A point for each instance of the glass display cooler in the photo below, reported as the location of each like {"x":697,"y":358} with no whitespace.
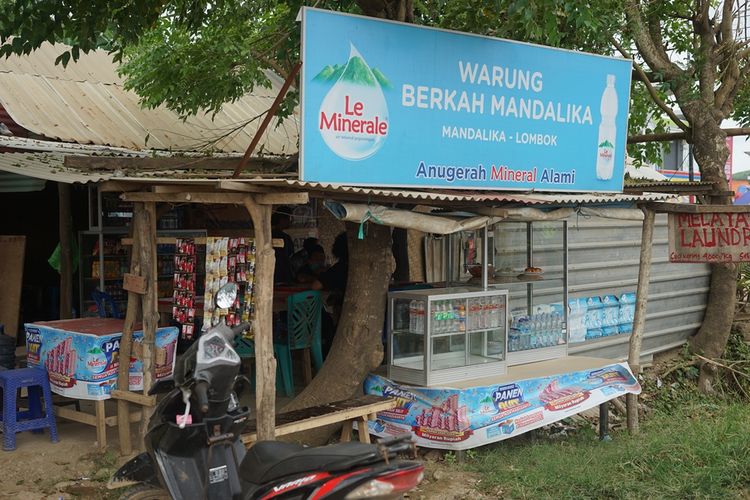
{"x":528,"y":260}
{"x":441,"y":336}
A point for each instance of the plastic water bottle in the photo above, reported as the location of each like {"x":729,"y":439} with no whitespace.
{"x":605,"y":159}
{"x":434,"y":314}
{"x":419,"y":323}
{"x":438,"y":325}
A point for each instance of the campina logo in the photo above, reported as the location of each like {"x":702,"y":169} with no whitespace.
{"x":353,"y":117}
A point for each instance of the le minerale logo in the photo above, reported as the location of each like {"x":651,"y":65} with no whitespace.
{"x":353,"y":118}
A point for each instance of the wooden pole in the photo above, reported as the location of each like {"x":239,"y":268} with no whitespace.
{"x":126,"y":342}
{"x":66,"y":257}
{"x":267,"y":120}
{"x":265,"y":259}
{"x":639,"y":320}
{"x":149,"y":303}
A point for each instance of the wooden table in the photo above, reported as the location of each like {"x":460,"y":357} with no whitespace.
{"x":359,"y":409}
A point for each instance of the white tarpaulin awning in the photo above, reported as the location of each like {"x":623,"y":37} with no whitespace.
{"x":440,"y":224}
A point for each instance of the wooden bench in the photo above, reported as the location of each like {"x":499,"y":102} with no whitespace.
{"x":360,"y":409}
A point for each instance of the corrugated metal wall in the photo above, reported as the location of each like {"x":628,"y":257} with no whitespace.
{"x":603,"y":259}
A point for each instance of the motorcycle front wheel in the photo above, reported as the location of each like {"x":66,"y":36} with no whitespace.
{"x":145,"y":492}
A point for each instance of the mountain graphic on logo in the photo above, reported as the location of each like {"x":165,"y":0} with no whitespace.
{"x":355,"y":71}
{"x":606,"y":144}
{"x":486,"y":399}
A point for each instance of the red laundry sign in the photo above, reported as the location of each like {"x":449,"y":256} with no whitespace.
{"x":709,"y":237}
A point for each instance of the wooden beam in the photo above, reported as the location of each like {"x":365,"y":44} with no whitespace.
{"x":267,"y":120}
{"x":166,"y":240}
{"x":296,"y":421}
{"x":161,"y":163}
{"x":186,"y":197}
{"x":265,"y":362}
{"x":119,"y":186}
{"x":245,"y":187}
{"x":639,"y":320}
{"x":134,"y":397}
{"x":218,"y":198}
{"x":695,"y":209}
{"x":75,"y":416}
{"x":175,"y":188}
{"x":282,"y":199}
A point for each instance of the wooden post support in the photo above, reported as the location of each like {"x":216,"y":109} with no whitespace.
{"x":269,"y":115}
{"x":101,"y":425}
{"x":265,"y":372}
{"x":66,"y":257}
{"x":126,"y":342}
{"x":149,"y":303}
{"x":639,"y":320}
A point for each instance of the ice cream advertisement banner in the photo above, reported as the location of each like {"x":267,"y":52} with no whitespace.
{"x":466,"y":418}
{"x":85,"y":366}
{"x":393,"y":104}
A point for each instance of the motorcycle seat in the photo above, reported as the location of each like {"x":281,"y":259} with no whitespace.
{"x":270,"y":460}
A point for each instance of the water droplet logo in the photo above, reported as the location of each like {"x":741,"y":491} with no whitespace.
{"x":353,"y":118}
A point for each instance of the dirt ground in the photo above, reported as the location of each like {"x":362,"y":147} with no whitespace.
{"x":71,"y":468}
{"x":74,"y":468}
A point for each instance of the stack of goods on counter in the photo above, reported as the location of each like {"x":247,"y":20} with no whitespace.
{"x":229,"y":260}
{"x":542,"y":328}
{"x":183,"y":309}
{"x":596,"y":317}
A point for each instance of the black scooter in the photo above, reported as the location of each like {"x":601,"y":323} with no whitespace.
{"x":194,"y":448}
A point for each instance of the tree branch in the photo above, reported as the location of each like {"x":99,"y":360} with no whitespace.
{"x":725,"y":27}
{"x":731,"y":81}
{"x":651,"y":90}
{"x":656,"y":58}
{"x":675,"y":136}
{"x":706,"y":63}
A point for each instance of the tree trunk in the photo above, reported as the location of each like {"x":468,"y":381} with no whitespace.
{"x":711,"y":152}
{"x":357,"y":348}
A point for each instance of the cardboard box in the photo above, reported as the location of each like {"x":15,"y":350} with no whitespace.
{"x":81,"y":356}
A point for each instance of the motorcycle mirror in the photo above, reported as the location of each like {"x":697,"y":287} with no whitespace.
{"x":226,"y":295}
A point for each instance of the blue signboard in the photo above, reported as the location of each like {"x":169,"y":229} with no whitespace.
{"x":393,"y":104}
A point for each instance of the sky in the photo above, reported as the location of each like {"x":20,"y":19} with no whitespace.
{"x":740,"y":161}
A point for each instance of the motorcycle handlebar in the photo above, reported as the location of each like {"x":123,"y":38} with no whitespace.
{"x":201,"y":395}
{"x":241,"y":327}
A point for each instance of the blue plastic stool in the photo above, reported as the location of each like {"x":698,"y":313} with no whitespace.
{"x":34,"y":419}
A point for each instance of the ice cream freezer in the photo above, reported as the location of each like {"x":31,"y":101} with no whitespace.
{"x":81,"y":356}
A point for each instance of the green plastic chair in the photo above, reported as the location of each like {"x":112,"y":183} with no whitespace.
{"x":245,"y":348}
{"x":303,"y":332}
{"x":304,"y":311}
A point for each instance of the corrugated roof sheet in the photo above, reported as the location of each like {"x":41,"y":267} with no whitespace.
{"x":49,"y":166}
{"x":86,"y":103}
{"x":470,"y":196}
{"x":46,"y":166}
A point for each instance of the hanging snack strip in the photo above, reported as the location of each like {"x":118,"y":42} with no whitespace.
{"x":229,"y":260}
{"x":183,"y":308}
